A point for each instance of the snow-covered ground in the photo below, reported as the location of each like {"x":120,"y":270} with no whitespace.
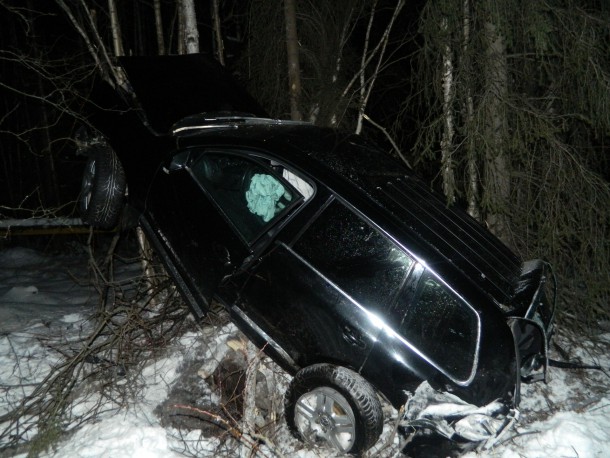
{"x":44,"y":304}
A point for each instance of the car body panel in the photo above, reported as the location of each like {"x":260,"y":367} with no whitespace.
{"x":201,"y":242}
{"x":337,"y":276}
{"x":495,"y":374}
{"x":441,"y":235}
{"x":307,"y":315}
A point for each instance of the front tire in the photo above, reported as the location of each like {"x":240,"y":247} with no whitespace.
{"x":335,"y":406}
{"x":103,"y":188}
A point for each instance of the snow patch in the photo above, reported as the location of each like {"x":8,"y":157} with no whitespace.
{"x":22,"y":294}
{"x":72,"y":318}
{"x":20,"y":257}
{"x":116,"y":436}
{"x":39,"y":299}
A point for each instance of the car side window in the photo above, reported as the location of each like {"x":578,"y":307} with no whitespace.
{"x":442,"y":326}
{"x":355,"y":256}
{"x":251,"y":195}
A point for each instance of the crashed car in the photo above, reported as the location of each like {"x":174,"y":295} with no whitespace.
{"x":345,"y":267}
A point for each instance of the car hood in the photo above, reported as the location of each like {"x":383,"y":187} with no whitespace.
{"x":169,"y":88}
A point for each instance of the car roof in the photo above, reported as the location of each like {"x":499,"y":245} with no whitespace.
{"x":383,"y":190}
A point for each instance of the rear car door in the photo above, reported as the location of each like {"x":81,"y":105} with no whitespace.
{"x":209,"y":209}
{"x":321,"y":298}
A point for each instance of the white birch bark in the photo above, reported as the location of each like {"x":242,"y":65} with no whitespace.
{"x":338,"y":64}
{"x":190,"y":31}
{"x":472,"y":191}
{"x":253,"y":359}
{"x":379,"y":51}
{"x":115,"y":28}
{"x":95,"y":45}
{"x":365,"y":50}
{"x":447,"y":166}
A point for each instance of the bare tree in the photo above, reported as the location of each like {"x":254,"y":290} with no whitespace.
{"x":367,"y":81}
{"x":338,"y":69}
{"x":94,"y":42}
{"x":159,"y":27}
{"x":292,"y":52}
{"x":218,"y":41}
{"x":529,"y":113}
{"x":448,"y":170}
{"x":498,"y":173}
{"x":190,"y":30}
{"x":39,"y":100}
{"x":115,"y":27}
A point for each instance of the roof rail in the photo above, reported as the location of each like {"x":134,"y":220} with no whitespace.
{"x":204,"y":121}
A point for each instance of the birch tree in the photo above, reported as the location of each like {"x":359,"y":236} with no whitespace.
{"x":448,"y":129}
{"x":514,"y":98}
{"x":472,"y":170}
{"x":117,"y":41}
{"x":190,"y":32}
{"x":375,"y":57}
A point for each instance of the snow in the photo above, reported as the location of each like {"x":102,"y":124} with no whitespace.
{"x":45,"y":301}
{"x":570,"y":434}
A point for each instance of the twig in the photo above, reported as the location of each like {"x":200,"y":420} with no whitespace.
{"x":385,"y":132}
{"x":218,"y":420}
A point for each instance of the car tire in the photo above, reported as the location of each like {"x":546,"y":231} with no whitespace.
{"x":334,"y":406}
{"x":103,"y":188}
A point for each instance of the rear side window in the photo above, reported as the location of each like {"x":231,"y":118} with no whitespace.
{"x":443,"y":327}
{"x":355,"y":256}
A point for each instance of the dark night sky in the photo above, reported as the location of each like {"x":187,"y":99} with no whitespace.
{"x":48,"y":36}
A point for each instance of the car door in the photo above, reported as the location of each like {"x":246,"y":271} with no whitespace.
{"x":321,"y":298}
{"x":209,"y":209}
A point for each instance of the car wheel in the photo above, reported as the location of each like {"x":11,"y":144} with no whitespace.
{"x":103,"y":189}
{"x":335,"y":406}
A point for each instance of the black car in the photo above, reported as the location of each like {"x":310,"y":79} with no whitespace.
{"x":350,"y":272}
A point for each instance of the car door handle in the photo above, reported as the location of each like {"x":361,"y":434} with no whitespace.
{"x":353,"y":337}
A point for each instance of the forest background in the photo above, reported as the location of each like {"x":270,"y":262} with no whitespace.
{"x":502,"y":106}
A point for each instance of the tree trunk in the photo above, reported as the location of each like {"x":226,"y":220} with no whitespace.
{"x":472,"y":169}
{"x":219,"y":48}
{"x":363,"y":65}
{"x":292,"y":50}
{"x":116,"y":28}
{"x":367,"y":84}
{"x":337,"y":70}
{"x":191,"y":33}
{"x":159,"y":28}
{"x":380,"y":48}
{"x":497,"y":172}
{"x":447,"y":165}
{"x":253,"y":360}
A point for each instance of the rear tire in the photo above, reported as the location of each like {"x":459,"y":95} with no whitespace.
{"x":103,"y":188}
